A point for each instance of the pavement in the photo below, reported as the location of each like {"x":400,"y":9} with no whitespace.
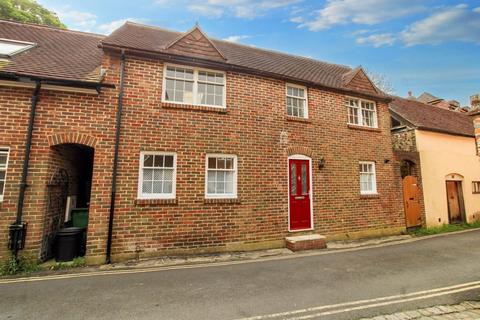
{"x":346,"y":283}
{"x":468,"y":310}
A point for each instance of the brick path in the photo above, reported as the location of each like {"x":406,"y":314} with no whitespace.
{"x":468,"y":310}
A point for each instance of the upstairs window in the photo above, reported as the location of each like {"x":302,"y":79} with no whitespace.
{"x":362,"y":113}
{"x":3,"y":170}
{"x":368,"y":180}
{"x":194,"y":86}
{"x":297,"y":101}
{"x":9,"y":48}
{"x":157,"y":175}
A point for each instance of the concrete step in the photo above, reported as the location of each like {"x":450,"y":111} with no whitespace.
{"x":306,"y":242}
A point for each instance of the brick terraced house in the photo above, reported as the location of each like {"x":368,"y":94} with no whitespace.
{"x":178,"y":143}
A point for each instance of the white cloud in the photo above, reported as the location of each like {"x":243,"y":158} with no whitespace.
{"x":457,"y":23}
{"x":378,"y":40}
{"x":78,"y":20}
{"x":88,"y":22}
{"x":477,"y":10}
{"x":297,"y":19}
{"x":240,"y":8}
{"x":109,"y":27}
{"x":236,"y":38}
{"x":366,"y":12}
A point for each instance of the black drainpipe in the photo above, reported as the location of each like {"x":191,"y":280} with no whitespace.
{"x":18,"y":228}
{"x":115,"y":157}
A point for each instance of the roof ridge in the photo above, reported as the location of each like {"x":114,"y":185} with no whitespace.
{"x":243,"y":45}
{"x":428,"y":106}
{"x":42,"y":26}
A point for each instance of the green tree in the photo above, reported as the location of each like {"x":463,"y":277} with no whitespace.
{"x":28,"y":11}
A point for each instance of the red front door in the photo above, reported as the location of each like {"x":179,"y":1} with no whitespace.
{"x":299,"y":194}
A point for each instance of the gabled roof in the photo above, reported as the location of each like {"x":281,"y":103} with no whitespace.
{"x":357,"y":79}
{"x":57,"y":54}
{"x":195,"y":43}
{"x":155,"y":40}
{"x":430,"y":118}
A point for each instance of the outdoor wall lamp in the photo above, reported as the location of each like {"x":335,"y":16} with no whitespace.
{"x":321,"y":163}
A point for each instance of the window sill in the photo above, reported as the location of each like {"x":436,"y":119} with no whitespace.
{"x":369,"y":196}
{"x":168,"y":105}
{"x":356,"y":127}
{"x":153,"y":202}
{"x":298,"y":119}
{"x":221,"y":200}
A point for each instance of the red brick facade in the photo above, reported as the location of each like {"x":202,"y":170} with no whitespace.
{"x":254,"y":127}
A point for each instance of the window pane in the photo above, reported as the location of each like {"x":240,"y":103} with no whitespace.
{"x":170,"y":72}
{"x":169,"y":161}
{"x":210,"y":100}
{"x":212,"y":176}
{"x":212,"y":163}
{"x":229,"y":176}
{"x":202,"y":76}
{"x":304,"y":178}
{"x":211,"y":187}
{"x":147,"y":187}
{"x":158,"y":175}
{"x":219,"y":78}
{"x":211,"y":77}
{"x":229,"y":187}
{"x":167,"y":187}
{"x":2,"y":185}
{"x":220,"y":175}
{"x":158,"y":161}
{"x":147,"y":174}
{"x":293,"y":177}
{"x":220,"y":187}
{"x":157,"y":187}
{"x":229,"y":163}
{"x":221,"y":163}
{"x":168,"y":174}
{"x":2,"y":175}
{"x":147,"y":160}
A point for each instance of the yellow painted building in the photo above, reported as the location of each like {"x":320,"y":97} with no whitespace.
{"x":441,"y":145}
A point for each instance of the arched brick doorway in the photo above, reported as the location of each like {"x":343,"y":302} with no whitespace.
{"x":69,"y":186}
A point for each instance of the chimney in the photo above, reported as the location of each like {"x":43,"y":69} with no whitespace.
{"x":475,"y":101}
{"x":410,"y":96}
{"x":475,"y":114}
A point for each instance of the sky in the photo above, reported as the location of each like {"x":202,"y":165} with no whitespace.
{"x":417,"y":45}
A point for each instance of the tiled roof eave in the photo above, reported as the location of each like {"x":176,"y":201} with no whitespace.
{"x":233,"y":67}
{"x":425,"y":128}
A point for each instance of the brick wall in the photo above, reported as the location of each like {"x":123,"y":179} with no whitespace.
{"x":254,"y":127}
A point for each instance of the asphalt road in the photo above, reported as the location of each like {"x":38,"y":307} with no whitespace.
{"x":357,"y":283}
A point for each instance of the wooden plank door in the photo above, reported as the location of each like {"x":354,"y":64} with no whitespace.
{"x":411,"y":202}
{"x":454,"y":205}
{"x":299,"y":194}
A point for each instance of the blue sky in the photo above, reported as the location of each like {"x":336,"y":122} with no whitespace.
{"x":418,"y":45}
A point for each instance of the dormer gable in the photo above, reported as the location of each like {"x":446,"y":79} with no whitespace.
{"x":357,"y":80}
{"x":195,"y":43}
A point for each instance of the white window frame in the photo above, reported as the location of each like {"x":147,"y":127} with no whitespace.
{"x":146,"y":196}
{"x":305,"y":89}
{"x":235,"y":165}
{"x":4,"y":150}
{"x":374,"y":185}
{"x":360,"y":114}
{"x":195,"y":86}
{"x":27,"y":46}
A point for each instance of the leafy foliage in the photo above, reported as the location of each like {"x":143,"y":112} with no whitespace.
{"x":22,"y":265}
{"x":28,"y":11}
{"x":445,"y":228}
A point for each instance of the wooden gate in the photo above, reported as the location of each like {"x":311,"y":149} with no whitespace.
{"x":411,"y":202}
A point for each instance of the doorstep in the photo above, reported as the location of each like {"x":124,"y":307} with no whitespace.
{"x":306,"y":242}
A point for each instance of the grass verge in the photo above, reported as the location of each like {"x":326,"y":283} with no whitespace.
{"x":444,"y":229}
{"x":26,"y":266}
